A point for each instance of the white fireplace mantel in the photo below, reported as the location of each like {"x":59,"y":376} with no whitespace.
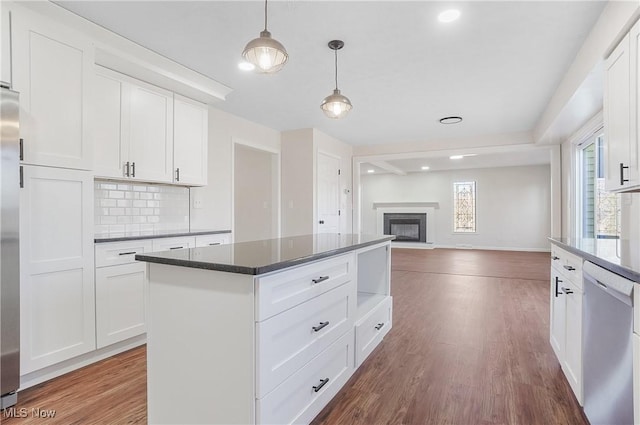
{"x":378,"y":205}
{"x":428,"y":208}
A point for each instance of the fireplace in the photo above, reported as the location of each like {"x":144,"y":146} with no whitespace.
{"x":407,"y":227}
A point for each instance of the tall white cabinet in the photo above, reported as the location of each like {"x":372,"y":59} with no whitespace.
{"x":52,"y":69}
{"x":56,"y":251}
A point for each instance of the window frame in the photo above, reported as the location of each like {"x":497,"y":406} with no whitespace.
{"x":475,"y":207}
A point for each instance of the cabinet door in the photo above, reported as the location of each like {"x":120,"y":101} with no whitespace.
{"x":52,"y":70}
{"x":572,"y":365}
{"x":110,"y":150}
{"x":56,"y":266}
{"x":190,"y":140}
{"x":121,"y":298}
{"x":149,"y":132}
{"x":557,"y":319}
{"x":620,"y":150}
{"x":634,"y":165}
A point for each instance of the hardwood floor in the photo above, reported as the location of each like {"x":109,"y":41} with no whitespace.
{"x":469,"y":345}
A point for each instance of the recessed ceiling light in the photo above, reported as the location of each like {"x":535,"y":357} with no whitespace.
{"x":449,"y":15}
{"x":371,"y":171}
{"x":246,"y":66}
{"x":450,"y":120}
{"x":462,"y":156}
{"x":425,"y":167}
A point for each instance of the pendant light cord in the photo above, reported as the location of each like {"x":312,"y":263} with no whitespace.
{"x":265,"y":15}
{"x":336,"y":55}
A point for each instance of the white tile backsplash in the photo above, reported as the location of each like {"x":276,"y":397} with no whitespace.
{"x":140,"y":207}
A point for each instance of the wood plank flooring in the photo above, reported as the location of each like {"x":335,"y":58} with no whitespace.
{"x":469,"y":345}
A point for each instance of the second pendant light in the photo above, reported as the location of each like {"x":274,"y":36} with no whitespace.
{"x":336,"y":105}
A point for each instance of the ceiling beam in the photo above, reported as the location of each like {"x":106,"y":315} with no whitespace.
{"x":388,"y":167}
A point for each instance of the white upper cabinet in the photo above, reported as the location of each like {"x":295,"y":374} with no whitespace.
{"x":51,"y":68}
{"x":106,"y":121}
{"x":190,"y":138}
{"x":621,"y":75}
{"x":133,"y":126}
{"x":149,"y":129}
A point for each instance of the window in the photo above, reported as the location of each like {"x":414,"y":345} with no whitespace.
{"x":599,"y":211}
{"x":464,"y":207}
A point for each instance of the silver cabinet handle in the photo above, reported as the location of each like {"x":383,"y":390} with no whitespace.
{"x":127,"y":253}
{"x":133,"y":169}
{"x":177,"y":174}
{"x":570,"y":268}
{"x":216,"y":243}
{"x":379,"y":326}
{"x":126,"y":169}
{"x":320,"y":279}
{"x":176,"y":247}
{"x":567,"y":290}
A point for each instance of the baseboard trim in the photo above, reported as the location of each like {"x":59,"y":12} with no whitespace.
{"x":58,"y":369}
{"x":413,"y":245}
{"x":495,"y":248}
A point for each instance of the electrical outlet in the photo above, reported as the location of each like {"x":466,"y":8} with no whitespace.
{"x":197,"y":203}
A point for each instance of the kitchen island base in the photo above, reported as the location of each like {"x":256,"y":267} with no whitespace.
{"x":276,"y":347}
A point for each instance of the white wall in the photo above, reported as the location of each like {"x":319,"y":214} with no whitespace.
{"x":513,"y":204}
{"x":217,"y":196}
{"x":255,"y":194}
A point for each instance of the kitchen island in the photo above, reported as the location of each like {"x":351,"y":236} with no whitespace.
{"x":264,"y":331}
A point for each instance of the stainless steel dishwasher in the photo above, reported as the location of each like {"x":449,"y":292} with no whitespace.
{"x":607,"y":346}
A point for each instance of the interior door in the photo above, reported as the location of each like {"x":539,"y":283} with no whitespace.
{"x":328,"y":182}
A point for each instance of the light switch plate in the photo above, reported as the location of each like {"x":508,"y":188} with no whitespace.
{"x":197,"y":203}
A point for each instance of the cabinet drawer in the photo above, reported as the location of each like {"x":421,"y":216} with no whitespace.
{"x":211,"y":240}
{"x":572,"y":268}
{"x":287,"y":341}
{"x":167,"y":244}
{"x":372,"y":328}
{"x":281,"y":291}
{"x":115,"y":253}
{"x":301,"y":397}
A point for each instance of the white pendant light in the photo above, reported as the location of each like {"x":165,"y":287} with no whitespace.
{"x":268,"y":55}
{"x":336,"y":105}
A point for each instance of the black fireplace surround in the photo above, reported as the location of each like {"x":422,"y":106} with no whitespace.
{"x":407,"y":227}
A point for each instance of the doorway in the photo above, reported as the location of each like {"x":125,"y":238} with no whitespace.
{"x":328,"y":187}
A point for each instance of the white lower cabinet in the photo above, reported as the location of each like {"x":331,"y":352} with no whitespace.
{"x":212,"y":240}
{"x":121,"y":301}
{"x":303,"y":395}
{"x":168,"y":244}
{"x":565,"y":324}
{"x":57,"y":304}
{"x":372,"y":328}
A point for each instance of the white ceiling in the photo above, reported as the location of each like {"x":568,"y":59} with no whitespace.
{"x":497,"y":66}
{"x":492,"y":159}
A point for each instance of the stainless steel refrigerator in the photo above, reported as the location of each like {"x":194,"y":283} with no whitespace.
{"x":10,"y":182}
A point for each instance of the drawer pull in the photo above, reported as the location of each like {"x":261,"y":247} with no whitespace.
{"x":569,"y":268}
{"x":567,"y":290}
{"x":215,"y":243}
{"x":320,"y":326}
{"x":177,"y":247}
{"x":555,"y":258}
{"x":379,"y":326}
{"x":320,"y":279}
{"x":323,"y":382}
{"x":127,"y":253}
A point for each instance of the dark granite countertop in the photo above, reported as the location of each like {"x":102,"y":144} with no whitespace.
{"x":155,"y":234}
{"x":258,"y":257}
{"x":618,"y":256}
